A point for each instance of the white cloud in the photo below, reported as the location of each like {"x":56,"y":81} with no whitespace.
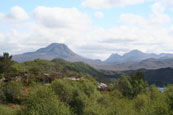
{"x":64,"y":25}
{"x":158,"y":15}
{"x":132,"y":19}
{"x":151,"y":34}
{"x":168,"y":3}
{"x":158,"y":8}
{"x":57,"y":17}
{"x":17,"y":14}
{"x":99,"y":14}
{"x":162,"y":5}
{"x":73,"y":27}
{"x":98,"y":4}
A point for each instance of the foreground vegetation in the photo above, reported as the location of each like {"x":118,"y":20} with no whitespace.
{"x":44,"y":88}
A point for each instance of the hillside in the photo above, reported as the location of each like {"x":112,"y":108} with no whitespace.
{"x":61,"y":68}
{"x":160,"y":77}
{"x":145,"y":64}
{"x":59,"y":87}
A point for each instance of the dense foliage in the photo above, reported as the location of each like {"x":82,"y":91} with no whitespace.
{"x":58,"y":87}
{"x":160,"y":77}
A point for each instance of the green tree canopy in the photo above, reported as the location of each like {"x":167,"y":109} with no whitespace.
{"x":5,"y":62}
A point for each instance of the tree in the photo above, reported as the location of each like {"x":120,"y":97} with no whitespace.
{"x":169,"y":95}
{"x":138,"y":83}
{"x":5,"y":62}
{"x":132,"y":85}
{"x":125,"y":86}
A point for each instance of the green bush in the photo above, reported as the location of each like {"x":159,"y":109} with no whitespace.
{"x":17,"y":67}
{"x":64,"y":89}
{"x":6,"y":111}
{"x":69,"y":93}
{"x":2,"y":94}
{"x":100,"y":106}
{"x":76,"y":93}
{"x":43,"y":101}
{"x":12,"y":91}
{"x":89,"y":87}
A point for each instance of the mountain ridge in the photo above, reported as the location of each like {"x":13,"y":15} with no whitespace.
{"x":133,"y":60}
{"x":136,"y":56}
{"x":54,"y":50}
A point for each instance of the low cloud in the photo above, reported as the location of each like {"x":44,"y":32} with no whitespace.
{"x":117,"y":40}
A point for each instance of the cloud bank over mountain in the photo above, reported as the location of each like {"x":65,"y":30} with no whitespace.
{"x":151,"y":31}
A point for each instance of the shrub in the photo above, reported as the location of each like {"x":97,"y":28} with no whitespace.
{"x":16,"y":67}
{"x":76,"y":93}
{"x":2,"y":95}
{"x":63,"y":89}
{"x":12,"y":91}
{"x":42,"y":101}
{"x":6,"y":111}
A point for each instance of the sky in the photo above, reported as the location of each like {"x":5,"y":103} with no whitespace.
{"x":91,"y":28}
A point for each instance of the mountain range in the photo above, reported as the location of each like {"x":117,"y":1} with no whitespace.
{"x":136,"y":56}
{"x":132,"y":60}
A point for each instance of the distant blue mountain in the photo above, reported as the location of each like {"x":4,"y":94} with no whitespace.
{"x":130,"y":61}
{"x":136,"y":56}
{"x":54,"y":50}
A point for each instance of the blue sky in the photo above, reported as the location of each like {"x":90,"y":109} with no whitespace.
{"x":85,"y":25}
{"x":111,"y":14}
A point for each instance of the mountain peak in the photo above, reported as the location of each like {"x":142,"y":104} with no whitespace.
{"x":132,"y":56}
{"x":112,"y":57}
{"x":54,"y":48}
{"x":115,"y":54}
{"x":135,"y":52}
{"x":52,"y":51}
{"x":56,"y":45}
